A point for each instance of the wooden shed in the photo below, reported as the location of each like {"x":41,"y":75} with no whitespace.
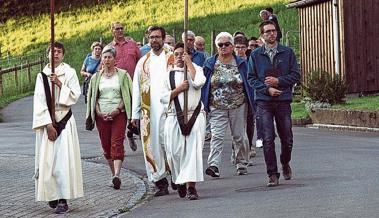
{"x":341,"y":37}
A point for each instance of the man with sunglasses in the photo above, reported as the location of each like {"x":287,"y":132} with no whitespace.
{"x":273,"y":71}
{"x":127,"y":50}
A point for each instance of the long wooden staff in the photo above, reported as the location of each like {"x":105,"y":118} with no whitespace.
{"x":185,"y":109}
{"x":52,"y":61}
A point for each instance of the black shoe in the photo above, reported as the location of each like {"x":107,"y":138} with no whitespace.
{"x":287,"y":171}
{"x":174,"y":186}
{"x":182,"y":190}
{"x":212,"y":171}
{"x":62,"y":207}
{"x":132,"y":143}
{"x":192,"y":193}
{"x":161,"y":192}
{"x":53,"y":204}
{"x":116,"y":182}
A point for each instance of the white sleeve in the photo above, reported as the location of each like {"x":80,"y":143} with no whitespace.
{"x":136,"y":98}
{"x":166,"y":94}
{"x":70,"y":89}
{"x":41,"y":115}
{"x":199,"y":80}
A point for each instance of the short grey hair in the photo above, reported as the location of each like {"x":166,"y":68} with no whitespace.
{"x":189,"y":33}
{"x":263,"y":12}
{"x":110,"y":49}
{"x":222,"y":35}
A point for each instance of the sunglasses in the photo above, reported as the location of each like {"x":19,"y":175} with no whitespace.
{"x":119,"y":28}
{"x":221,"y":45}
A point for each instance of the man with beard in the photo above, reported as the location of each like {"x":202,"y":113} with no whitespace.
{"x":148,"y":84}
{"x":273,"y":71}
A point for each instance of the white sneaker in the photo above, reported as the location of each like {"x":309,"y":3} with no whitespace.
{"x":259,"y":143}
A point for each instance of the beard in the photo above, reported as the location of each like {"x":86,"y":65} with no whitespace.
{"x":156,"y":46}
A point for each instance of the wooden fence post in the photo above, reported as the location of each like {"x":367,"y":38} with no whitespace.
{"x":1,"y":83}
{"x":28,"y":70}
{"x":16,"y":76}
{"x":174,"y":35}
{"x":41,"y":66}
{"x":213,"y":37}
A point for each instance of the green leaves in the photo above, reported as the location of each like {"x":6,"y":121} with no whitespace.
{"x":323,"y":87}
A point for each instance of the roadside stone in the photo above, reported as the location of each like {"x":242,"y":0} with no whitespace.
{"x":369,"y":119}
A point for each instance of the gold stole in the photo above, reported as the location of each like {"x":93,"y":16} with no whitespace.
{"x":145,"y":104}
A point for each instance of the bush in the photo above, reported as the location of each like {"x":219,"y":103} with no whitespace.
{"x":323,"y":87}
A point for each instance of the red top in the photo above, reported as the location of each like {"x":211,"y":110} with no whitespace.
{"x":127,"y":55}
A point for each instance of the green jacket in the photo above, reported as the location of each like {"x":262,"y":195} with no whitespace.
{"x":93,"y":90}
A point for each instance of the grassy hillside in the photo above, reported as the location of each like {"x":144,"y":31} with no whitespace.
{"x":78,"y":28}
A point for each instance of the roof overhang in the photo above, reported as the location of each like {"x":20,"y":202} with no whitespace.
{"x":304,"y":3}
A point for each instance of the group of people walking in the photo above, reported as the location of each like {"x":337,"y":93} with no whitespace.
{"x":145,"y":96}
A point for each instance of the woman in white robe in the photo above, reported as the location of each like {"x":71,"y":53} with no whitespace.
{"x":58,"y":171}
{"x":184,"y":153}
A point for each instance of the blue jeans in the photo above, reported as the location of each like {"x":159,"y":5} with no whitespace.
{"x":266,"y":113}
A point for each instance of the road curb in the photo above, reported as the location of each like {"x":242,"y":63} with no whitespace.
{"x":341,"y":127}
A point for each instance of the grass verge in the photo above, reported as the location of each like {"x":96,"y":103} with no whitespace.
{"x":369,"y":103}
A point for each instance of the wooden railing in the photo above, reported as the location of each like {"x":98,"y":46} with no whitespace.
{"x":18,"y":69}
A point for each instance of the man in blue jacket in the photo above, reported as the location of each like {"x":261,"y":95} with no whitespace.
{"x":273,"y":71}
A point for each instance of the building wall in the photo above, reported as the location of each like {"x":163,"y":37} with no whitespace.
{"x":361,"y":35}
{"x":316,"y":27}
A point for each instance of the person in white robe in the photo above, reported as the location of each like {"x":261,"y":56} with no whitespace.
{"x":58,"y":171}
{"x":147,"y":111}
{"x":184,"y":152}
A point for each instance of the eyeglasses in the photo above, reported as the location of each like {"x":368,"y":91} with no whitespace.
{"x":118,"y":28}
{"x":270,"y":31}
{"x":221,"y":45}
{"x":155,"y":37}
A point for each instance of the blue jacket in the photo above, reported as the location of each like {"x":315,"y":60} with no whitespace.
{"x":208,"y":71}
{"x":198,"y":57}
{"x":285,"y":66}
{"x":145,"y":49}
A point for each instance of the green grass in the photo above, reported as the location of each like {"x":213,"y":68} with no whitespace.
{"x":78,"y":28}
{"x":298,"y":110}
{"x":369,"y":103}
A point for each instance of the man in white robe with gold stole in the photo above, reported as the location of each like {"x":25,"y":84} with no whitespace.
{"x":148,"y":84}
{"x":58,"y":171}
{"x":184,"y":141}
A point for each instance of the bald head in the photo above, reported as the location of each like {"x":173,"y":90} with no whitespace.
{"x":199,"y":43}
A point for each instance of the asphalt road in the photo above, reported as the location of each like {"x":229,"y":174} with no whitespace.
{"x":336,"y":174}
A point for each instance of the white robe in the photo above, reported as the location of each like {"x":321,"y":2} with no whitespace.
{"x":57,"y":163}
{"x":185,"y":154}
{"x":158,"y":72}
